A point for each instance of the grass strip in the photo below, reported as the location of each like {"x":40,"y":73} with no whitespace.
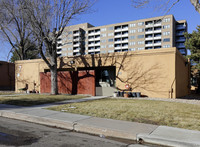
{"x":173,"y":114}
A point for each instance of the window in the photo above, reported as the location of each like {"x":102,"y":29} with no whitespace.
{"x":140,"y":23}
{"x":111,"y":51}
{"x":132,"y":37}
{"x":166,"y":46}
{"x":110,"y":28}
{"x":111,"y":45}
{"x":110,"y":40}
{"x":70,"y":32}
{"x":110,"y":34}
{"x":140,"y":36}
{"x":103,"y":29}
{"x":140,"y":48}
{"x":132,"y":49}
{"x":166,"y":40}
{"x":69,"y":54}
{"x":69,"y":43}
{"x":103,"y":46}
{"x":132,"y":25}
{"x":103,"y":40}
{"x":103,"y":35}
{"x":132,"y":31}
{"x":166,"y":26}
{"x":140,"y":42}
{"x":140,"y":30}
{"x":103,"y":52}
{"x":166,"y":20}
{"x":132,"y":43}
{"x":69,"y":49}
{"x":166,"y":33}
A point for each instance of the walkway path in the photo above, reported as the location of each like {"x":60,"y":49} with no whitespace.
{"x":100,"y":126}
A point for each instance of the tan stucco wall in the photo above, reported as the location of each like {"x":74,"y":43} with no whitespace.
{"x":182,"y":76}
{"x":150,"y":72}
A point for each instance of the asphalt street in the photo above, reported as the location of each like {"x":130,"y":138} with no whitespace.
{"x":19,"y":133}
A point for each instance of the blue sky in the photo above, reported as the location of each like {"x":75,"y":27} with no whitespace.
{"x":115,"y":11}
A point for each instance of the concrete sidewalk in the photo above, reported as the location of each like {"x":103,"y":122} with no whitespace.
{"x":104,"y":127}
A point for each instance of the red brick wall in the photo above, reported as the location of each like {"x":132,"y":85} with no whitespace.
{"x":86,"y":82}
{"x":70,"y":82}
{"x":45,"y":82}
{"x":7,"y":76}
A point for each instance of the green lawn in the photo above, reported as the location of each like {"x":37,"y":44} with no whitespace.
{"x":173,"y":114}
{"x":35,"y":99}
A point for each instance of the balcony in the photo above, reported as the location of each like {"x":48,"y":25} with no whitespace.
{"x":59,"y":47}
{"x":118,"y":36}
{"x":149,"y":38}
{"x":118,"y":30}
{"x":180,"y":27}
{"x":59,"y":52}
{"x":97,"y":44}
{"x":157,"y":44}
{"x":125,"y":29}
{"x":92,"y":44}
{"x":76,"y":34}
{"x":149,"y":25}
{"x":96,"y":49}
{"x":118,"y":48}
{"x":125,"y":41}
{"x":180,"y":40}
{"x":157,"y":24}
{"x":92,"y":50}
{"x":98,"y":38}
{"x":180,"y":34}
{"x":77,"y":50}
{"x":91,"y":39}
{"x":157,"y":31}
{"x":118,"y":42}
{"x":149,"y":45}
{"x":77,"y":39}
{"x":125,"y":47}
{"x":125,"y":35}
{"x":97,"y":33}
{"x":180,"y":46}
{"x":148,"y":32}
{"x":91,"y":34}
{"x":158,"y":37}
{"x":77,"y":45}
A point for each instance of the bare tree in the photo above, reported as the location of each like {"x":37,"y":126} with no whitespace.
{"x":48,"y":20}
{"x":14,"y":28}
{"x":165,"y":4}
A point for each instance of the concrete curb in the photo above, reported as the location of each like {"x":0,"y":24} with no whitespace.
{"x":101,"y":128}
{"x":38,"y":120}
{"x":170,"y":136}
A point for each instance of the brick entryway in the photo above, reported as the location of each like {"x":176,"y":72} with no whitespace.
{"x":70,"y":82}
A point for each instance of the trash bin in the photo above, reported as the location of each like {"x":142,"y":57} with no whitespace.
{"x":138,"y":94}
{"x":134,"y":94}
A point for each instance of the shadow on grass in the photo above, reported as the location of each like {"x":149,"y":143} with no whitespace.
{"x":32,"y":100}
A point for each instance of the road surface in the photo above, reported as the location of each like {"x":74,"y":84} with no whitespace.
{"x":19,"y":133}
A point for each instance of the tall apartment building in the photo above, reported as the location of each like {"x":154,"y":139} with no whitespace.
{"x":153,"y":33}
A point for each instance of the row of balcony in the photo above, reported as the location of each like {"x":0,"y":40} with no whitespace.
{"x":121,"y":47}
{"x":121,"y":29}
{"x":153,"y":31}
{"x":94,"y":44}
{"x":121,"y":41}
{"x":153,"y":44}
{"x":94,"y":33}
{"x":94,"y":39}
{"x":93,"y":50}
{"x":153,"y":38}
{"x":153,"y":25}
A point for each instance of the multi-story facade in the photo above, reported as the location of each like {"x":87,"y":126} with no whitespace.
{"x":144,"y":34}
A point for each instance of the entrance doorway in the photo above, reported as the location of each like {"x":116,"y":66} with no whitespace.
{"x":105,"y":81}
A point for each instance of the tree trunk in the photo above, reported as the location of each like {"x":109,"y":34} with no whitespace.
{"x":54,"y":84}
